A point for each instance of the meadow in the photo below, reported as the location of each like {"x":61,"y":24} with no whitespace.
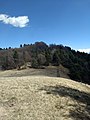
{"x":28,"y":95}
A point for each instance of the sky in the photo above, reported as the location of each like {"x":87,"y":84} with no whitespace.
{"x":65,"y":22}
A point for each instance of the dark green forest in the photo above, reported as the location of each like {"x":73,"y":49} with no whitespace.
{"x":40,"y":55}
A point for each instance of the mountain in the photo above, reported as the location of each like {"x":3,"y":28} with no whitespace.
{"x":40,"y":55}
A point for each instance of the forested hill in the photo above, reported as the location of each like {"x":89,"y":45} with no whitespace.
{"x":40,"y":55}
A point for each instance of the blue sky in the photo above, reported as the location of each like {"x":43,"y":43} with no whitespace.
{"x":64,"y":22}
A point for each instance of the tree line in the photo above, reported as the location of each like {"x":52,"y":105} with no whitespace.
{"x":40,"y":54}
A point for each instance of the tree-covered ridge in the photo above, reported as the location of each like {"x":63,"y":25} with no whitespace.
{"x":40,"y":54}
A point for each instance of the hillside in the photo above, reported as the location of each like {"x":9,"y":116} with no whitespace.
{"x":40,"y":55}
{"x":50,"y":71}
{"x":35,"y":97}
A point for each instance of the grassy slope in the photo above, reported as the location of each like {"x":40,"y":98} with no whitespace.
{"x":42,"y":97}
{"x":50,"y":71}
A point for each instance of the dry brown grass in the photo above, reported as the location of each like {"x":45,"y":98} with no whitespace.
{"x":42,"y":97}
{"x":50,"y":71}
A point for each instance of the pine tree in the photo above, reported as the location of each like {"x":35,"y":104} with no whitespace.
{"x":15,"y":57}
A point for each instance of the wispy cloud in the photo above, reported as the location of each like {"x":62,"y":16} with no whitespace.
{"x":84,"y":50}
{"x":20,"y":21}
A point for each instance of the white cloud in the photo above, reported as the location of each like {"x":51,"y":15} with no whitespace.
{"x":20,"y":21}
{"x":84,"y":50}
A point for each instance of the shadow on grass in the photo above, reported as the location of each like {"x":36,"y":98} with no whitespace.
{"x":81,"y":110}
